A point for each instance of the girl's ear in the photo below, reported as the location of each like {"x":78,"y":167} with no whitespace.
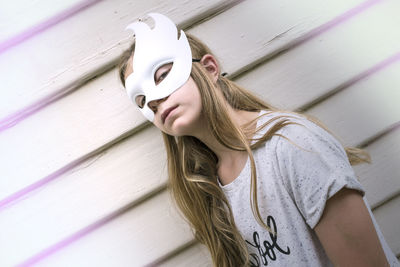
{"x":210,"y":64}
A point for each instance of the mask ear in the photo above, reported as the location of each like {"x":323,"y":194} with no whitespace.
{"x":211,"y":65}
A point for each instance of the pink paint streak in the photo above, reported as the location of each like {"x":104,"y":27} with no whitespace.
{"x":14,"y":118}
{"x":338,"y":20}
{"x":74,"y":237}
{"x":88,"y":229}
{"x":24,"y":191}
{"x":20,"y":115}
{"x":47,"y":24}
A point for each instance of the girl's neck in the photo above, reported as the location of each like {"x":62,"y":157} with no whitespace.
{"x":230,"y":162}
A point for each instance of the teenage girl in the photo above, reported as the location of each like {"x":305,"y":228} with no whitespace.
{"x":258,"y":186}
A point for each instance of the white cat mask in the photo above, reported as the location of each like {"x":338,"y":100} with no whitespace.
{"x":153,"y":49}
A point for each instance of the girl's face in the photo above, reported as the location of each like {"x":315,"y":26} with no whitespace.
{"x":179,"y":113}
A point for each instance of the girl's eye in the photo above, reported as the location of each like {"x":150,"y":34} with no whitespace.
{"x":162,"y":76}
{"x":140,"y":101}
{"x":162,"y":72}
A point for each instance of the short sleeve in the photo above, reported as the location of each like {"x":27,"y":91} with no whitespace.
{"x":313,"y":167}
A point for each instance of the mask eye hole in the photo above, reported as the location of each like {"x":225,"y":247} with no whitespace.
{"x":140,"y":101}
{"x":162,"y":72}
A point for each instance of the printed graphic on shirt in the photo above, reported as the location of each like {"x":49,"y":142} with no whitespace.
{"x":267,"y":249}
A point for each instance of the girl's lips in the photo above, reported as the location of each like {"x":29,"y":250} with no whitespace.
{"x":165,"y":114}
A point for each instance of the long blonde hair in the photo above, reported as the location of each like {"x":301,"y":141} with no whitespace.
{"x":192,"y":166}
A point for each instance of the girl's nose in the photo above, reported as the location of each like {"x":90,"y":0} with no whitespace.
{"x":154,"y":103}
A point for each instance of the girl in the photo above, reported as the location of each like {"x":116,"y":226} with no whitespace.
{"x":258,"y":186}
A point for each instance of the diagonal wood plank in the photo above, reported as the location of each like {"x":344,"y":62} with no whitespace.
{"x":364,"y":109}
{"x":381,"y":178}
{"x":99,"y":186}
{"x":265,"y":28}
{"x":329,"y":61}
{"x":22,"y":19}
{"x":63,"y":132}
{"x":133,"y":239}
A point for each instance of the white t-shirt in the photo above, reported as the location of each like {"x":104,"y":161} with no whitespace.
{"x":293,"y":187}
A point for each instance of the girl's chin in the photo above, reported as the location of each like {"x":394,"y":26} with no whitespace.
{"x":181,"y":124}
{"x":179,"y":127}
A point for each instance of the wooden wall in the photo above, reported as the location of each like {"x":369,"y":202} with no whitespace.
{"x":83,"y":175}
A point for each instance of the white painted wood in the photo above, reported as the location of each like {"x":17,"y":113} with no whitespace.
{"x":195,"y":256}
{"x":74,"y":48}
{"x":254,"y":30}
{"x":325,"y":62}
{"x":19,"y":16}
{"x":64,"y":131}
{"x":99,"y":112}
{"x":133,"y":239}
{"x":388,"y":217}
{"x":91,"y":191}
{"x":381,"y":178}
{"x":364,"y":109}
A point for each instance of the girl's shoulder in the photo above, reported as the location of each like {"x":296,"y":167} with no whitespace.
{"x":294,"y":122}
{"x":299,"y":129}
{"x":266,"y":116}
{"x":291,"y":122}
